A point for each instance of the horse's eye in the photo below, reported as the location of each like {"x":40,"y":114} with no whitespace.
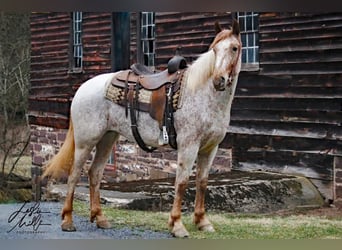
{"x":235,"y":49}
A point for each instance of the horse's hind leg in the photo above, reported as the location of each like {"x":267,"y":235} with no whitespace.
{"x":81,"y":155}
{"x":103,"y":150}
{"x":204,"y":161}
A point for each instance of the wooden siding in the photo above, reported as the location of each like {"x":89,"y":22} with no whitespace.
{"x":287,"y":116}
{"x":53,"y":84}
{"x":133,"y":42}
{"x":193,"y":32}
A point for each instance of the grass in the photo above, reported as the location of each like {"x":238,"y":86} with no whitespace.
{"x":228,"y":225}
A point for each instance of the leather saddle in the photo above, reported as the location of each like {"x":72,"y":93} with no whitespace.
{"x":148,"y":79}
{"x":161,"y":86}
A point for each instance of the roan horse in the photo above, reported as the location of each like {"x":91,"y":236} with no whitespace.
{"x":208,"y":88}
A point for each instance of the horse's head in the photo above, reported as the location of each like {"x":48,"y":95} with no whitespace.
{"x":227,"y":48}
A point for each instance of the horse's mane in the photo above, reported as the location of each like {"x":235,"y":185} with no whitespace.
{"x":201,"y":70}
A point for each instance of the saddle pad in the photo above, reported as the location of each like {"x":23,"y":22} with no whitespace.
{"x":117,"y":95}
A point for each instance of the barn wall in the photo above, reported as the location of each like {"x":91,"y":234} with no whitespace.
{"x":53,"y":84}
{"x":287,"y":116}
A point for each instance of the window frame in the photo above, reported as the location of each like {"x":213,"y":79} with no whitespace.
{"x":250,"y":66}
{"x":76,"y":45}
{"x":147,"y":38}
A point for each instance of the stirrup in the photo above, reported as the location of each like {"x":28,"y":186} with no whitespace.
{"x":163,"y":137}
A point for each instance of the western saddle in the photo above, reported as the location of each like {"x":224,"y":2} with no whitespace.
{"x":161,"y":87}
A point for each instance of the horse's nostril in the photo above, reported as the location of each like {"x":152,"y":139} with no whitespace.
{"x":222,"y":79}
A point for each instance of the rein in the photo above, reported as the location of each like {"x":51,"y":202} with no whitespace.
{"x":231,"y":75}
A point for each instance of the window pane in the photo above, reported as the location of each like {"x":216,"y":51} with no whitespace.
{"x":151,"y":46}
{"x":145,"y":47}
{"x":149,"y":19}
{"x":242,"y":24}
{"x":149,"y":32}
{"x":249,"y":23}
{"x":144,"y":32}
{"x":250,"y":40}
{"x":243,"y":40}
{"x":256,"y":53}
{"x":244,"y":55}
{"x":256,"y":23}
{"x":256,"y":39}
{"x":151,"y":60}
{"x":250,"y":57}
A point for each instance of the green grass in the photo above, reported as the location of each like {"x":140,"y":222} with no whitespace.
{"x":229,"y":226}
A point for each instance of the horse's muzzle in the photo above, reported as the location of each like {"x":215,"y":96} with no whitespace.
{"x":221,"y":83}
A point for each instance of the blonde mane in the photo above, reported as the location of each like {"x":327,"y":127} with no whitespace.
{"x":201,"y":70}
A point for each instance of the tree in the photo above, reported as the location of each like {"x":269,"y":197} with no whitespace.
{"x":14,"y":86}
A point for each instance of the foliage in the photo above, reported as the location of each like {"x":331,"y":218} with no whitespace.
{"x":229,"y":225}
{"x":14,"y":85}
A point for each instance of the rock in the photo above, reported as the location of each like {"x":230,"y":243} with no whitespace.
{"x":243,"y":192}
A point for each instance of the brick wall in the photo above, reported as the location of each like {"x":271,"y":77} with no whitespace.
{"x":131,"y":162}
{"x":44,"y":143}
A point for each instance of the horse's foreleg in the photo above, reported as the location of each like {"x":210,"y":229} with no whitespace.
{"x":81,"y":155}
{"x":103,"y":150}
{"x":186,"y":159}
{"x":205,"y":159}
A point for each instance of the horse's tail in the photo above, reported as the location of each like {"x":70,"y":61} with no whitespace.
{"x":63,"y":161}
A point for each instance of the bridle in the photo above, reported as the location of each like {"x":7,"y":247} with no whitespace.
{"x":231,"y":68}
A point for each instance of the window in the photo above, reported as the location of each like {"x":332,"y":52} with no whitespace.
{"x":148,"y":37}
{"x":249,"y":27}
{"x":77,"y":48}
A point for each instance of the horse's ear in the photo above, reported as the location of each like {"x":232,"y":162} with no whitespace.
{"x":218,"y":27}
{"x":235,"y":27}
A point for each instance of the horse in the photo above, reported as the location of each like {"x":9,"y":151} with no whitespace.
{"x":208,"y":88}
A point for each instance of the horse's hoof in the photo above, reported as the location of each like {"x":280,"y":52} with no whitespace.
{"x":68,"y":227}
{"x":179,"y":231}
{"x":207,"y":228}
{"x":104,"y":224}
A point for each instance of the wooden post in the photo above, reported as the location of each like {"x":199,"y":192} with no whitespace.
{"x":338,"y":181}
{"x":36,"y":186}
{"x":120,"y":53}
